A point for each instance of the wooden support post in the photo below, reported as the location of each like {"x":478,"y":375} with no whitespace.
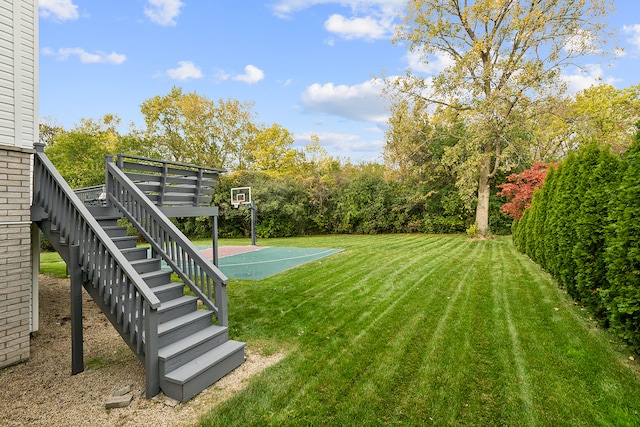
{"x":108,"y":158}
{"x":77,"y":357}
{"x":220,"y":295}
{"x":151,"y":364}
{"x":214,"y":232}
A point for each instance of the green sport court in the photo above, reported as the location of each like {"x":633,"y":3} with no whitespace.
{"x":260,"y":262}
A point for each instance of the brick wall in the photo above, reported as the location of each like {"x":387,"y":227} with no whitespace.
{"x":15,"y":255}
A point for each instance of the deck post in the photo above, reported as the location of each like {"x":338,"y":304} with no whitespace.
{"x":77,"y":357}
{"x":151,"y":364}
{"x":108,"y":158}
{"x":214,"y":232}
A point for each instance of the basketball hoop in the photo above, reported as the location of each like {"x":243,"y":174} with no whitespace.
{"x":240,"y":196}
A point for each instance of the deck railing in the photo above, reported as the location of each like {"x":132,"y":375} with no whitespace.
{"x":204,"y":279}
{"x":91,"y":196}
{"x":178,"y":189}
{"x":132,"y":303}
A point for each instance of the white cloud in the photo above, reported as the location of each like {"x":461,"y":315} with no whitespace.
{"x":361,"y":102}
{"x":582,"y":41}
{"x":342,"y":143}
{"x":163,"y":12}
{"x":85,"y":57}
{"x":634,"y":34}
{"x":370,"y":20}
{"x":286,"y":8}
{"x":186,"y":70}
{"x":252,"y":74}
{"x":592,"y":75}
{"x":437,"y":63}
{"x":366,"y":28}
{"x":58,"y":10}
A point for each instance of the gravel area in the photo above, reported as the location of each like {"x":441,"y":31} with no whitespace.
{"x":42,"y":391}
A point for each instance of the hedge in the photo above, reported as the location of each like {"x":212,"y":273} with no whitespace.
{"x":583,"y":227}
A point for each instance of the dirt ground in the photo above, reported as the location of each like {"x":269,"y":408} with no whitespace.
{"x":42,"y":391}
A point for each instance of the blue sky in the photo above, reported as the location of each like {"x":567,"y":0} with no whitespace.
{"x":309,"y":65}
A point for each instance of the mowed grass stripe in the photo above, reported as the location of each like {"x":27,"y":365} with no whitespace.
{"x":501,"y":265}
{"x":369,"y":344}
{"x":437,"y":389}
{"x":568,"y":356}
{"x":339,"y":271}
{"x":306,"y":301}
{"x":447,"y":332}
{"x":370,"y":348}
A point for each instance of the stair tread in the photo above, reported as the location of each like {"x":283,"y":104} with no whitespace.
{"x":167,"y":286}
{"x":154,"y":274}
{"x":125,"y":250}
{"x":166,"y":327}
{"x":107,"y":217}
{"x":142,"y":261}
{"x":175,"y":302}
{"x":200,"y":364}
{"x":125,"y":238}
{"x":189,"y":341}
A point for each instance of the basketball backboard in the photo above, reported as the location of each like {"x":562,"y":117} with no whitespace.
{"x":240,"y":196}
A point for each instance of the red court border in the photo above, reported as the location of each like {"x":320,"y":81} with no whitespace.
{"x":224,"y":251}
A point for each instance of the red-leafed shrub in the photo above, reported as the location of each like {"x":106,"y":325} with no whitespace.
{"x":520,"y":187}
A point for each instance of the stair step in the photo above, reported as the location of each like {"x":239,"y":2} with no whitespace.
{"x":175,"y":308}
{"x":156,"y":278}
{"x":182,"y":351}
{"x":179,"y":328}
{"x":107,"y":219}
{"x":146,"y":265}
{"x":193,"y":377}
{"x":125,"y":242}
{"x":103,"y":211}
{"x":115,"y":230}
{"x":133,"y":254}
{"x":169,"y":291}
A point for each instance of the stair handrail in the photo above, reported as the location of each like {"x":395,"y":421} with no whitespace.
{"x":203,"y":278}
{"x":132,"y":302}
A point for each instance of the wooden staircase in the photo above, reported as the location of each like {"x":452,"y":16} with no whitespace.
{"x":183,"y":351}
{"x":192,"y":352}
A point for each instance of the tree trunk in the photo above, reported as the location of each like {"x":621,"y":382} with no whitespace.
{"x":484,"y":192}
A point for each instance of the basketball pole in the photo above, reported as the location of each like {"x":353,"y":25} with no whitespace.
{"x":214,"y":232}
{"x":253,"y":223}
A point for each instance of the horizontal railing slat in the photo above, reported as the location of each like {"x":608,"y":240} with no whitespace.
{"x":161,"y":162}
{"x":162,"y":180}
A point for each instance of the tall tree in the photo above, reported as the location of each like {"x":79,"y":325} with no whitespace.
{"x":503,"y":62}
{"x":407,"y":151}
{"x":271,"y":150}
{"x":49,"y":129}
{"x":190,"y":128}
{"x":607,"y":115}
{"x":78,"y":154}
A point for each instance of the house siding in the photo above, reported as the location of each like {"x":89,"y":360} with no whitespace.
{"x":18,"y":132}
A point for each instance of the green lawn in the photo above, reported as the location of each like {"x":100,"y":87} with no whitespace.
{"x":52,"y":264}
{"x":424,"y":330}
{"x":421,"y":330}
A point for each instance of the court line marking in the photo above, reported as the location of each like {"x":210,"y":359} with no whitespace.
{"x":280,"y":259}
